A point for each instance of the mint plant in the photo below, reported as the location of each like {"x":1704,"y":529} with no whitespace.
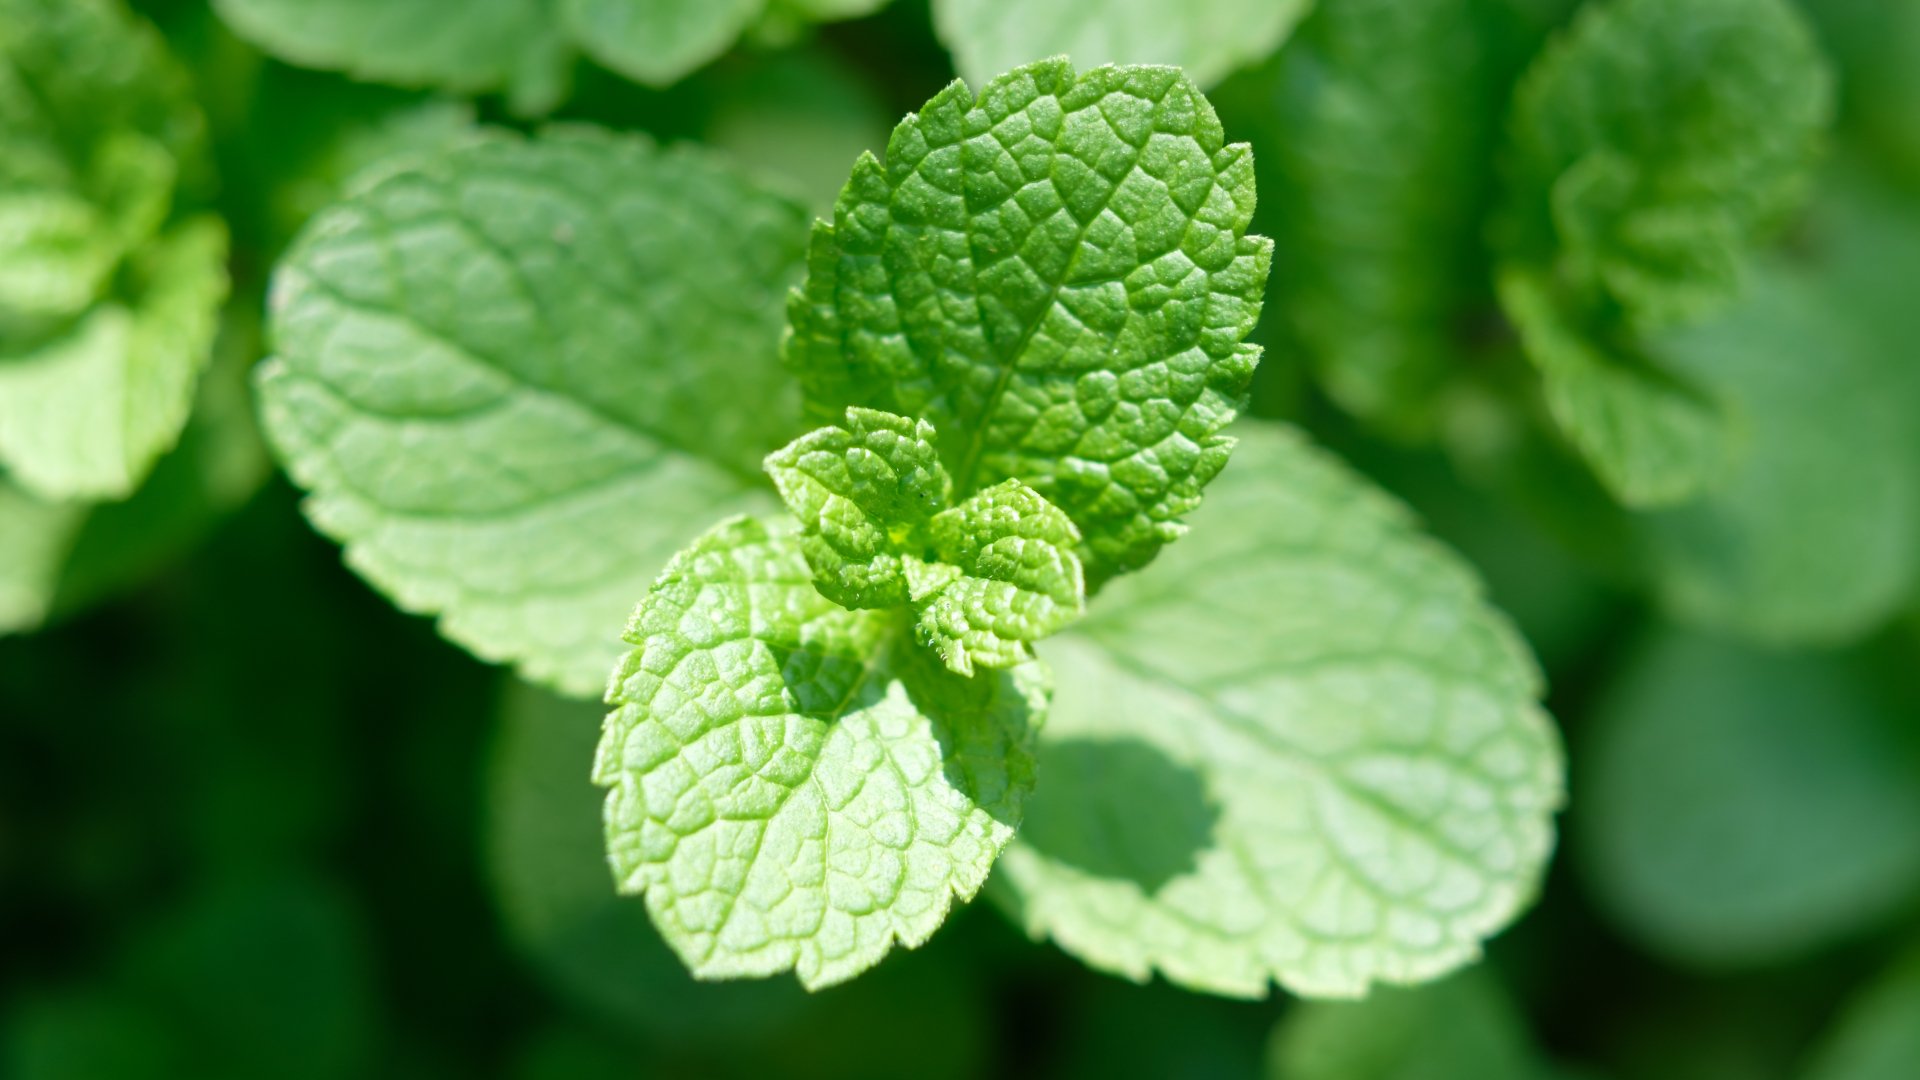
{"x":1019,"y":341}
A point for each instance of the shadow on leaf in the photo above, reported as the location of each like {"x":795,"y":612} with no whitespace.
{"x":1119,"y":809}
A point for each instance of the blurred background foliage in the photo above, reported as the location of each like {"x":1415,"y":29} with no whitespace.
{"x":255,"y":822}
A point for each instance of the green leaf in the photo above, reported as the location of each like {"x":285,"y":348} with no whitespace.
{"x":1209,"y":38}
{"x":864,"y":494}
{"x":795,"y":119}
{"x":484,"y":46}
{"x":1377,"y":126}
{"x":106,"y":311}
{"x":1651,"y":435}
{"x":1875,"y":1037}
{"x":1016,"y":578}
{"x":1304,"y":749}
{"x":1650,"y":147}
{"x":548,"y":863}
{"x":35,"y":537}
{"x":796,"y":785}
{"x":657,"y":41}
{"x":86,"y":414}
{"x":512,"y":395}
{"x":1466,"y":1026}
{"x":1814,"y":535}
{"x":1056,"y":274}
{"x":1742,"y":807}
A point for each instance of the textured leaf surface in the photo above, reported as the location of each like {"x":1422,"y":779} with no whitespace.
{"x":657,"y":41}
{"x":106,"y":314}
{"x":472,"y":47}
{"x":864,"y":494}
{"x":1209,"y":38}
{"x":1466,"y":1026}
{"x":1650,"y":146}
{"x":1746,"y":807}
{"x":512,"y":396}
{"x":1378,"y":124}
{"x":1056,"y":274}
{"x":1304,"y":749}
{"x":1815,"y":534}
{"x":796,"y":785}
{"x":1018,"y":578}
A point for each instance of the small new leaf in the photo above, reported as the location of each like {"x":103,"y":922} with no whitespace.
{"x":793,"y":784}
{"x":1015,"y":578}
{"x":1056,"y":273}
{"x":861,"y":493}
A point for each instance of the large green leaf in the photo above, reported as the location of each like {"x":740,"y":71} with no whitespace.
{"x":1056,"y":273}
{"x":1877,"y":1036}
{"x":513,"y":396}
{"x":1303,"y":749}
{"x":796,"y":785}
{"x":1209,"y":38}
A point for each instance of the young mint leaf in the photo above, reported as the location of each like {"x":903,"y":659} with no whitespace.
{"x":512,"y":394}
{"x":1303,"y":749}
{"x":1208,"y":38}
{"x":1377,"y":126}
{"x":1056,"y":274}
{"x":864,"y":493}
{"x":1015,"y":578}
{"x":1650,"y":146}
{"x":793,"y":784}
{"x":985,"y":578}
{"x":657,"y":41}
{"x":1746,"y":807}
{"x":481,"y":46}
{"x":106,"y":312}
{"x":1875,"y":1037}
{"x":1465,"y":1026}
{"x":1814,"y":536}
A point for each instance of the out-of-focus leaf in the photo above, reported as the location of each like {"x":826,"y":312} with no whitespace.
{"x":1651,"y":145}
{"x":1876,"y":44}
{"x":796,"y":122}
{"x":1745,"y":807}
{"x":1814,"y":535}
{"x":1303,"y":750}
{"x":1464,"y":1027}
{"x":1208,"y":38}
{"x":107,"y":311}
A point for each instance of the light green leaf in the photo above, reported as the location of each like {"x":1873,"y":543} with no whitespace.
{"x":1464,"y":1027}
{"x":482,"y":46}
{"x":106,"y":313}
{"x":657,"y":41}
{"x":513,"y":397}
{"x":1651,"y":146}
{"x":1815,"y":534}
{"x":1016,"y":578}
{"x":1303,"y":749}
{"x":86,"y":414}
{"x":548,"y":861}
{"x":1877,"y":1036}
{"x":1056,"y":274}
{"x":794,"y":120}
{"x":1209,"y":38}
{"x":864,"y":494}
{"x":1377,"y":127}
{"x":35,"y":537}
{"x":1746,"y":807}
{"x":796,"y":785}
